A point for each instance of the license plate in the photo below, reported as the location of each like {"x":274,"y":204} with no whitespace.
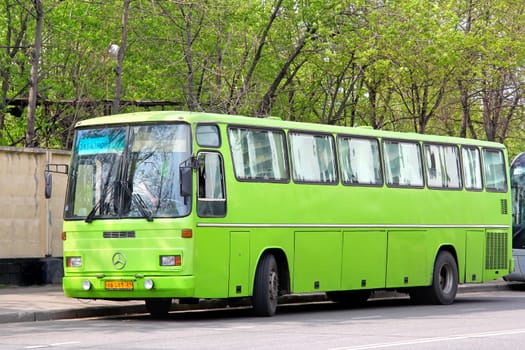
{"x":119,"y":285}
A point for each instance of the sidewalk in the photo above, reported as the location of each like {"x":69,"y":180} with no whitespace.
{"x":43,"y":303}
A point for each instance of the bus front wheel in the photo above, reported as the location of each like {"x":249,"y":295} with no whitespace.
{"x":266,"y":287}
{"x":444,"y":285}
{"x":158,"y":307}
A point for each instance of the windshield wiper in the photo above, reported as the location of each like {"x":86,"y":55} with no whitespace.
{"x":143,"y":208}
{"x":135,"y":197}
{"x":98,"y":205}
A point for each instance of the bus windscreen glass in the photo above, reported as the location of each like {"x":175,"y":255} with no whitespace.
{"x":128,"y":172}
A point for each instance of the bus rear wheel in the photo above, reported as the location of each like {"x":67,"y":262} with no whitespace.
{"x":266,"y":287}
{"x":158,"y":307}
{"x":444,"y":285}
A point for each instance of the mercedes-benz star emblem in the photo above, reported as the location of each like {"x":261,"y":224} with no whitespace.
{"x":119,"y":260}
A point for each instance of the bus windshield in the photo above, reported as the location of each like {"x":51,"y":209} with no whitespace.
{"x":128,"y":172}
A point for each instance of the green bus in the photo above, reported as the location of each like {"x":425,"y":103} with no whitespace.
{"x":188,"y":206}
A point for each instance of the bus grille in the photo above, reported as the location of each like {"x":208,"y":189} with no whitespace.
{"x":496,"y":254}
{"x":119,"y":234}
{"x":504,"y":207}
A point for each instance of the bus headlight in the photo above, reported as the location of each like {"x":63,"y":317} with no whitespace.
{"x":170,"y":260}
{"x":73,"y":261}
{"x":86,"y":285}
{"x":148,"y":284}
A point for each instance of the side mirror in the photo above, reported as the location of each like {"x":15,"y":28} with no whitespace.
{"x":57,"y":168}
{"x":52,"y":168}
{"x":48,"y":184}
{"x":185,"y":179}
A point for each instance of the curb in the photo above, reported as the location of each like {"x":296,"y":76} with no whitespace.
{"x":99,"y":311}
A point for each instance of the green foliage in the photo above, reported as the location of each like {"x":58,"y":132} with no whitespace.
{"x":446,"y":67}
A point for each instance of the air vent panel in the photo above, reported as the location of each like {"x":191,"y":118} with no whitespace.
{"x":496,"y":251}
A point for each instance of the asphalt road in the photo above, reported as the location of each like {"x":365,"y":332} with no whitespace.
{"x":491,"y":319}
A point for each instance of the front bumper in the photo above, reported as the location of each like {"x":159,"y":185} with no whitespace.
{"x":128,"y":287}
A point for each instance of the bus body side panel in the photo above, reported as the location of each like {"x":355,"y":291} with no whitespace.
{"x":265,"y":240}
{"x":239,"y":274}
{"x":364,"y":259}
{"x":317,"y":261}
{"x":408,"y":260}
{"x":212,"y":262}
{"x":474,"y":255}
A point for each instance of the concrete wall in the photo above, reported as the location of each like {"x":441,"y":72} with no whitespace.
{"x":30,"y":225}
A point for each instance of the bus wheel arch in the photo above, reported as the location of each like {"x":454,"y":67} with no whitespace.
{"x":445,"y":280}
{"x":271,"y":280}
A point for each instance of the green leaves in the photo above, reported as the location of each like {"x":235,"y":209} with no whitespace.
{"x":443,"y":66}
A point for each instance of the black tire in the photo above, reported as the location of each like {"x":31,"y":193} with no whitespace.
{"x":444,"y":285}
{"x":158,"y":307}
{"x":266,"y":287}
{"x":350,"y":298}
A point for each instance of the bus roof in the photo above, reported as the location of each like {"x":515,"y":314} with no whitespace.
{"x":269,"y":122}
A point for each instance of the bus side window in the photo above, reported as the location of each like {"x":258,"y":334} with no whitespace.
{"x":211,"y":200}
{"x":360,"y":161}
{"x":403,"y":164}
{"x":442,"y":164}
{"x":313,"y":158}
{"x":471,"y":168}
{"x":208,"y":135}
{"x":258,"y":155}
{"x":494,"y":166}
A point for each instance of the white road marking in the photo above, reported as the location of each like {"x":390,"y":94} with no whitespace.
{"x":372,"y":317}
{"x":53,"y":345}
{"x":432,"y":340}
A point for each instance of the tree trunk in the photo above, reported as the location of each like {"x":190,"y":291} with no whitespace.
{"x":120,"y":58}
{"x":269,"y":97}
{"x":31,"y":140}
{"x":257,"y":57}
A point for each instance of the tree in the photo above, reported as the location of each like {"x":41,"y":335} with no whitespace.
{"x":420,"y":51}
{"x":16,"y":19}
{"x":410,"y":65}
{"x":38,"y":14}
{"x":120,"y":58}
{"x":490,"y":83}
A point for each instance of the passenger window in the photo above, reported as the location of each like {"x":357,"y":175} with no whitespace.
{"x":211,"y":201}
{"x":403,"y":163}
{"x":258,"y":155}
{"x":313,"y":158}
{"x":494,"y":170}
{"x":471,"y":168}
{"x":442,"y":164}
{"x":208,"y":135}
{"x":360,"y":161}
